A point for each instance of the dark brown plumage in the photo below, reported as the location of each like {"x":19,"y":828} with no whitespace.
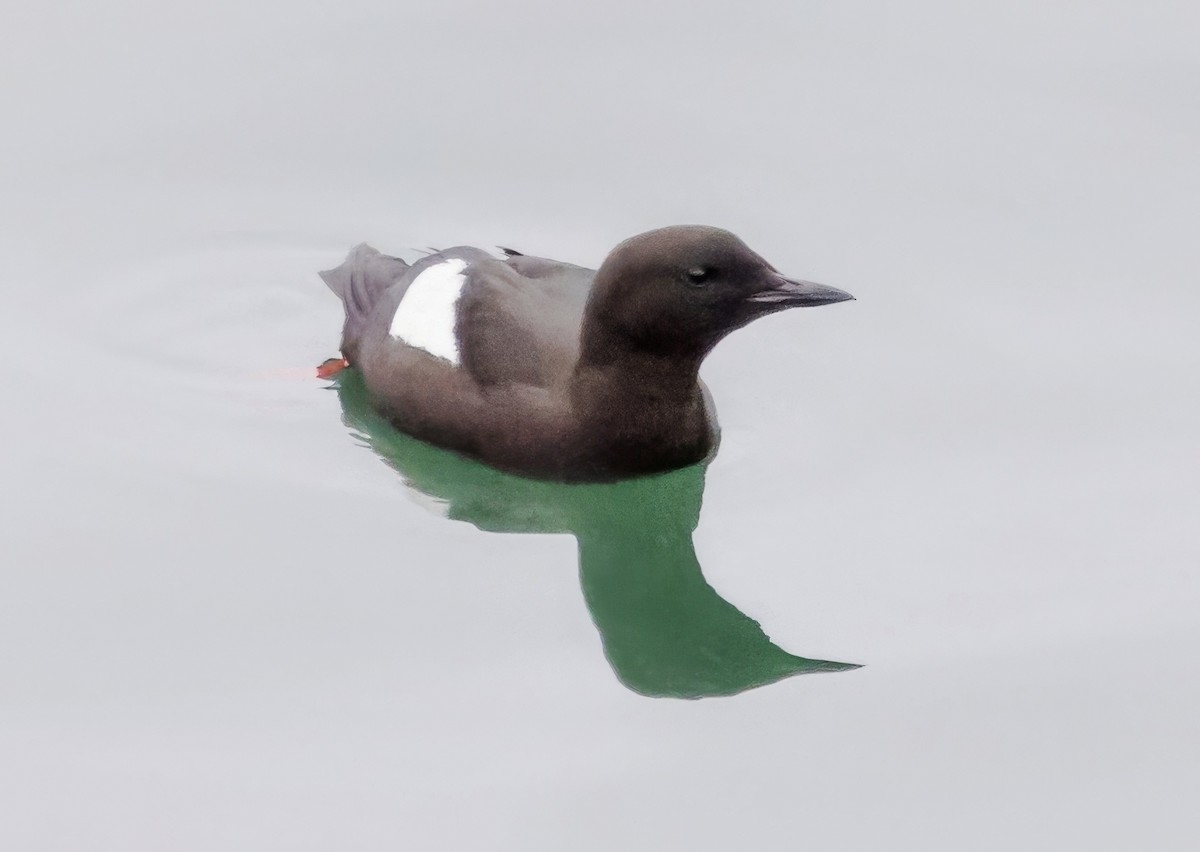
{"x":564,"y":372}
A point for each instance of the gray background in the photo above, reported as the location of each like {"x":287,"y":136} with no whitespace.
{"x":224,"y":626}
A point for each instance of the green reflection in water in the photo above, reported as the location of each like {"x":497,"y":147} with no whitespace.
{"x":666,"y":631}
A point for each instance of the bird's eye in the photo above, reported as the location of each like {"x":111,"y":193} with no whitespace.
{"x":698,"y":275}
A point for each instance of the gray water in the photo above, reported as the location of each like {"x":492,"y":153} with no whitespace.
{"x":228,"y":624}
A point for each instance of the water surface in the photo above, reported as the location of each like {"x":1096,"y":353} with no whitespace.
{"x":227,"y":625}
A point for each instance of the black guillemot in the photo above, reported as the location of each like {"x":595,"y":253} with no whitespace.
{"x":551,"y":370}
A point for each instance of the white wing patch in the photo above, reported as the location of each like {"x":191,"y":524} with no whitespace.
{"x":425,"y":316}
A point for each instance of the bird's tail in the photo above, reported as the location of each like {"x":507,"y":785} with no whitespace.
{"x":360,"y":282}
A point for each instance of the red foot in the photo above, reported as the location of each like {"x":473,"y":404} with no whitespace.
{"x":331,"y":367}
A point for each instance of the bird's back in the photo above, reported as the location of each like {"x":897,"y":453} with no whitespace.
{"x":500,"y":321}
{"x":519,"y":321}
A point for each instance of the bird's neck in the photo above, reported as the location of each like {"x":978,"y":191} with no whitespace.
{"x":647,"y":411}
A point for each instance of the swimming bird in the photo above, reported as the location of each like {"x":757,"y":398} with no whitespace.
{"x":551,"y":370}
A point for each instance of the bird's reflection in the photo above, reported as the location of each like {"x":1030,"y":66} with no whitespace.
{"x":666,"y":631}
